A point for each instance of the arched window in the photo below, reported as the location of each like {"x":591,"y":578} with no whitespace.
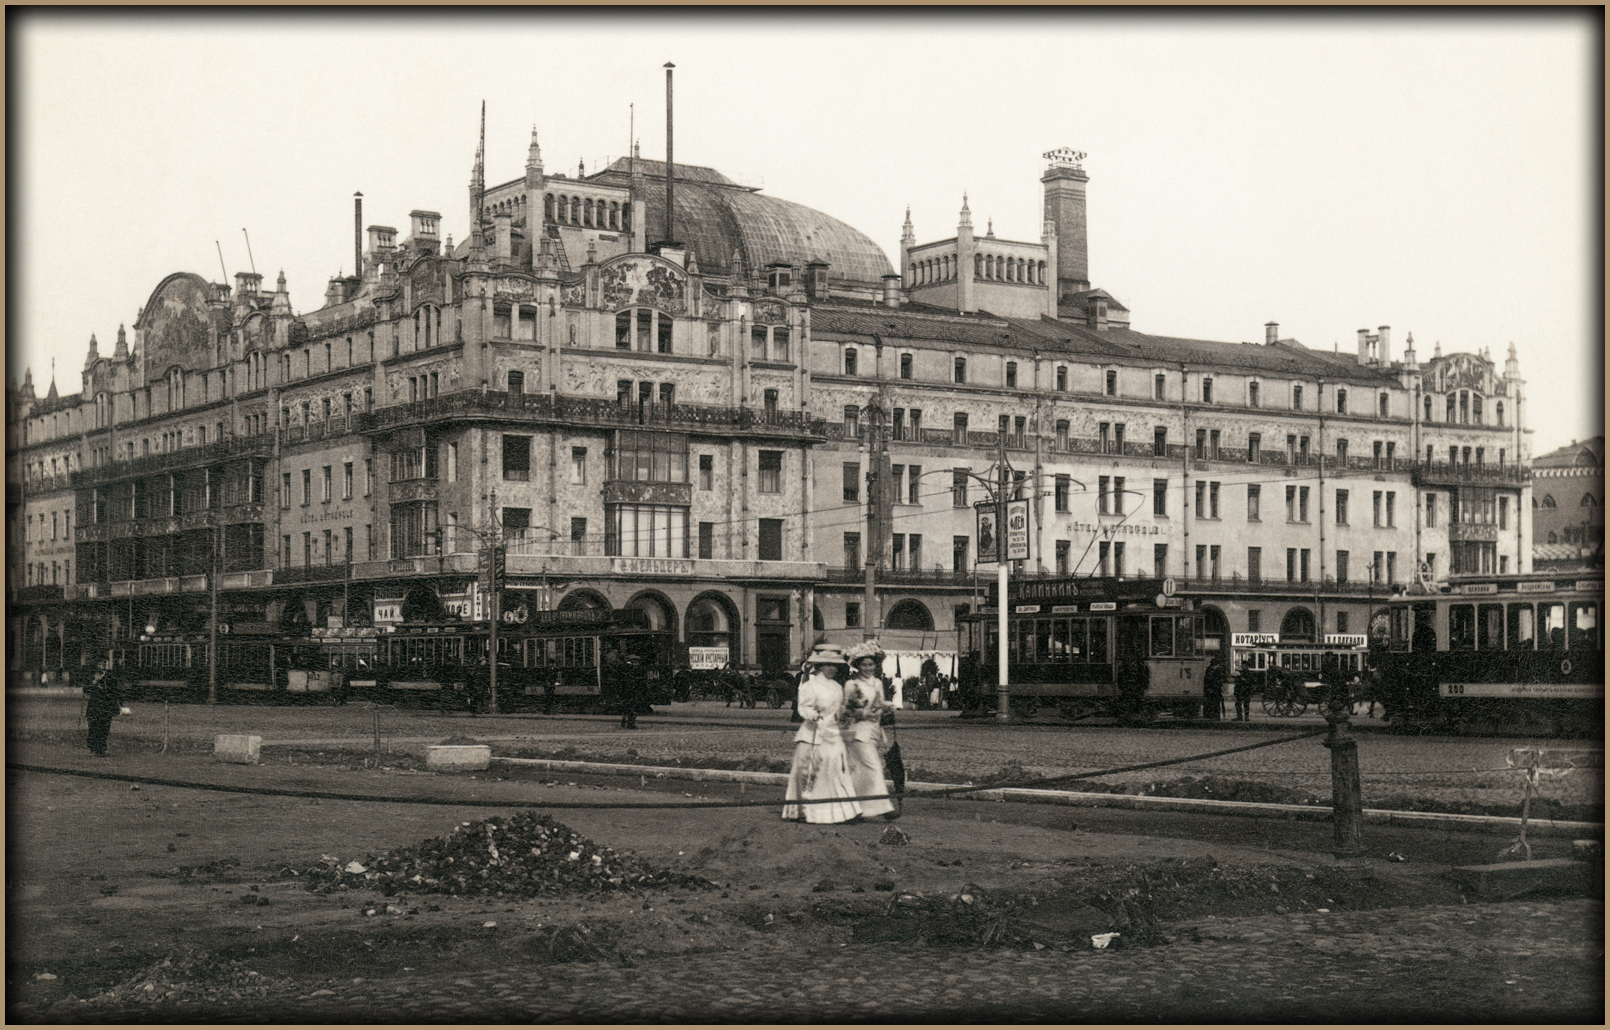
{"x":1587,"y":500}
{"x":1298,"y":625}
{"x":910,"y":614}
{"x":1475,"y":408}
{"x":1548,"y":501}
{"x":587,"y":212}
{"x":978,"y":266}
{"x":1498,"y":412}
{"x":575,"y":210}
{"x":547,"y":207}
{"x":614,"y":215}
{"x":1428,"y":409}
{"x":989,"y":266}
{"x":1554,"y":537}
{"x":1453,"y":402}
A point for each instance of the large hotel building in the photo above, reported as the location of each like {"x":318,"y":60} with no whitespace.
{"x":679,"y":394}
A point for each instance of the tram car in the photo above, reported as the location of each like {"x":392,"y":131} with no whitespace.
{"x":554,"y":658}
{"x":1507,"y":654}
{"x":1088,"y":646}
{"x":1285,"y":674}
{"x":256,"y":664}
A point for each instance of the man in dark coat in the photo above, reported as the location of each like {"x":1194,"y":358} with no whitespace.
{"x":103,"y":697}
{"x":633,"y":690}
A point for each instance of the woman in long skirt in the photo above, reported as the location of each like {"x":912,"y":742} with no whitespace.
{"x":820,"y":771}
{"x":864,"y":707}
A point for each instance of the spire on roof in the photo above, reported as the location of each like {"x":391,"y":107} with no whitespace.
{"x":581,"y":168}
{"x":120,"y":352}
{"x":991,"y":230}
{"x":281,"y":304}
{"x":94,"y":352}
{"x":967,"y":215}
{"x":533,"y":154}
{"x":51,"y":394}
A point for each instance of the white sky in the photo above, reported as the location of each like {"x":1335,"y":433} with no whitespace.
{"x":1436,"y":173}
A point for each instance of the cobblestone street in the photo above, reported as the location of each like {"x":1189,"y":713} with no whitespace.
{"x":1538,"y":962}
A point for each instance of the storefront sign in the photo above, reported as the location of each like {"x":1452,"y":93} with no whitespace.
{"x":651,"y":566}
{"x":707,"y":657}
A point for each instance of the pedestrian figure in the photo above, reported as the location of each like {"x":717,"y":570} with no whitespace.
{"x":1213,"y":689}
{"x":633,"y":690}
{"x":103,"y":697}
{"x":1243,"y":696}
{"x":820,"y":770}
{"x":863,"y":712}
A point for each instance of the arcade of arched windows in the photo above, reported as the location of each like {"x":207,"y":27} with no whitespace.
{"x":1465,"y":407}
{"x":586,"y":212}
{"x":991,"y":267}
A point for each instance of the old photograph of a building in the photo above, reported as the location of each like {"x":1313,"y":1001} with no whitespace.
{"x":651,"y":393}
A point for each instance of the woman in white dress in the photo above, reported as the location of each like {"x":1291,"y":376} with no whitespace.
{"x":820,"y":771}
{"x":863,"y":709}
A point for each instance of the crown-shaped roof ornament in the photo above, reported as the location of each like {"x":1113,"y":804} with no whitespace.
{"x":1064,"y":157}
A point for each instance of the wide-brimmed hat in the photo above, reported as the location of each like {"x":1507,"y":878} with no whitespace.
{"x":866,"y":649}
{"x":826,"y":654}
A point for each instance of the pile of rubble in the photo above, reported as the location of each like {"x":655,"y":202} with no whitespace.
{"x":519,"y":856}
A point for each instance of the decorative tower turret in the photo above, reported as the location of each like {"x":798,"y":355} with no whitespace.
{"x":964,"y":261}
{"x":908,"y":239}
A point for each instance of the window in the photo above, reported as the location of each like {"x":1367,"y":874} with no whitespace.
{"x":285,"y":490}
{"x":1391,"y":508}
{"x":1103,"y":484}
{"x":1201,"y":498}
{"x":1213,"y":562}
{"x":1062,"y":379}
{"x":771,"y":472}
{"x":1341,"y":402}
{"x":1296,"y":397}
{"x":1118,"y":496}
{"x":961,"y":370}
{"x":1159,"y":384}
{"x":1291,"y":504}
{"x":285,"y":551}
{"x":307,"y":548}
{"x":307,"y":487}
{"x":958,"y":488}
{"x":1385,"y":406}
{"x":1254,"y":447}
{"x":1213,"y":444}
{"x":1254,"y":502}
{"x":1498,"y":412}
{"x":516,"y":458}
{"x":959,"y":546}
{"x":1118,"y":559}
{"x":1062,"y":435}
{"x":1341,"y":571}
{"x":1428,"y":407}
{"x":1063,"y":488}
{"x":1117,"y":436}
{"x":516,"y":523}
{"x":1254,"y":620}
{"x":897,"y":475}
{"x":1377,"y":509}
{"x":1392,"y":567}
{"x":1063,"y":547}
{"x":1341,"y":622}
{"x":1341,"y":453}
{"x":707,"y":540}
{"x":368,"y":476}
{"x":1291,"y":565}
{"x":1391,"y":454}
{"x":325,"y":483}
{"x":771,"y":539}
{"x":1341,"y":507}
{"x":1011,"y":375}
{"x":1104,"y":437}
{"x":1207,"y":389}
{"x":852,"y":550}
{"x":707,"y":471}
{"x":852,"y":615}
{"x":1112,"y":383}
{"x":1160,"y":442}
{"x":851,"y":361}
{"x":852,"y":481}
{"x":578,"y":465}
{"x":452,"y":463}
{"x":1377,"y":566}
{"x":651,"y":457}
{"x":897,"y":551}
{"x":1252,"y":395}
{"x":646,"y":531}
{"x":346,"y":481}
{"x":905,"y":366}
{"x":959,"y":428}
{"x":912,"y":496}
{"x":1160,"y":497}
{"x":327,"y":547}
{"x":1302,"y":504}
{"x":1503,"y":513}
{"x":1213,"y":500}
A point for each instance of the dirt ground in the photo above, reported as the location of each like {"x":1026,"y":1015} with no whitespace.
{"x":203,"y":895}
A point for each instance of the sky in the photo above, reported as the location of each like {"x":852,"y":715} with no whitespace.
{"x":1439,"y":173}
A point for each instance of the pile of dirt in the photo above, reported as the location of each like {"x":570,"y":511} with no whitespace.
{"x":522,"y":856}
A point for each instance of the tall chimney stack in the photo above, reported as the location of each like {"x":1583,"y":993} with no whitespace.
{"x":357,"y":235}
{"x":1271,"y":332}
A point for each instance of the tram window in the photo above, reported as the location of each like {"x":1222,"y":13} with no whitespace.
{"x":1059,"y":642}
{"x":1077,"y":632}
{"x":1584,"y":626}
{"x":1022,"y":642}
{"x":1162,"y":636}
{"x":1042,"y":641}
{"x":991,"y":642}
{"x":1398,"y":629}
{"x":1461,"y":627}
{"x":1522,"y":627}
{"x":1490,"y":627}
{"x":1552,"y":618}
{"x":1100,"y":642}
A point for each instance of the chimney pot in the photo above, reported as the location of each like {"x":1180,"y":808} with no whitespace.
{"x":1271,"y":332}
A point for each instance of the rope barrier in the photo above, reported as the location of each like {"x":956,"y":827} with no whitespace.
{"x":322,"y":795}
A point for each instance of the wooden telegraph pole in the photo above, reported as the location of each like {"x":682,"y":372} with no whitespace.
{"x":1347,"y":802}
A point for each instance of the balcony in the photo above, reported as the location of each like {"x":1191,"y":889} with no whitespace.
{"x":1483,"y":532}
{"x":1237,"y":584}
{"x":622,"y":491}
{"x":911,"y":577}
{"x":261,"y":445}
{"x":593,"y":411}
{"x":1442,"y":473}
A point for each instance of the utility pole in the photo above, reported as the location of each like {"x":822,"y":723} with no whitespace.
{"x":212,"y":624}
{"x":494,"y":556}
{"x":1004,"y":479}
